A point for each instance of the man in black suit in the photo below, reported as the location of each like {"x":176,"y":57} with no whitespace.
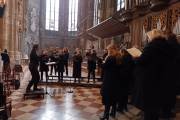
{"x":33,"y":67}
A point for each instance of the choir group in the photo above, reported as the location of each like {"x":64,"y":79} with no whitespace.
{"x":151,"y":79}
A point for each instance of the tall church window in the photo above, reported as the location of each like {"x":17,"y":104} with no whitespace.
{"x":52,"y":15}
{"x":96,"y":12}
{"x":120,"y":4}
{"x":73,"y":15}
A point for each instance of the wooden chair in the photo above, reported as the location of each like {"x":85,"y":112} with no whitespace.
{"x":6,"y":82}
{"x":5,"y":104}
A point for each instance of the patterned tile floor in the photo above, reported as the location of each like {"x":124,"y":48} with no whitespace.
{"x":83,"y":104}
{"x":59,"y":104}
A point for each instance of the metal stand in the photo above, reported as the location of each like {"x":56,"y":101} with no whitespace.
{"x":46,"y":92}
{"x":70,"y":88}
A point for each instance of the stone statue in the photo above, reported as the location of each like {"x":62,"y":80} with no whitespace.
{"x":33,"y":19}
{"x":29,"y":42}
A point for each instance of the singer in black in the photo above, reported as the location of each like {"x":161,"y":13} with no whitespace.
{"x":6,"y":61}
{"x":33,"y":67}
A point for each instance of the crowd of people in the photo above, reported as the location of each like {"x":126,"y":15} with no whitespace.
{"x":152,"y":79}
{"x":60,"y":57}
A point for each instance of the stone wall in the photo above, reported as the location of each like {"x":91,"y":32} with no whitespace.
{"x":54,"y":38}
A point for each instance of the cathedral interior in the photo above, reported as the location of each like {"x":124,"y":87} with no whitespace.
{"x":79,"y":26}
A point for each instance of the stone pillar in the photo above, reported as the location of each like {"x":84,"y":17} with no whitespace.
{"x":1,"y":34}
{"x":7,"y":25}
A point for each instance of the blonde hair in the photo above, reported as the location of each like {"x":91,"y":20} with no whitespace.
{"x":112,"y":50}
{"x":111,"y":46}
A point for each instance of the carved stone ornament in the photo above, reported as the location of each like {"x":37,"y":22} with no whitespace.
{"x":33,"y":19}
{"x":157,"y":5}
{"x":142,"y":9}
{"x":126,"y":16}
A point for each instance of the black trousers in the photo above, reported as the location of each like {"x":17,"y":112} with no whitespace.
{"x":46,"y":73}
{"x":60,"y":76}
{"x":93,"y":74}
{"x":66,"y":67}
{"x":35,"y":77}
{"x":53,"y":67}
{"x":122,"y":103}
{"x":107,"y":110}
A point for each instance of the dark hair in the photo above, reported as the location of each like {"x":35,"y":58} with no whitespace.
{"x":35,"y":46}
{"x":5,"y":50}
{"x":125,"y":52}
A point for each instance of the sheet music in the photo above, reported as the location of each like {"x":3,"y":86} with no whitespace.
{"x":134,"y":52}
{"x":51,"y":63}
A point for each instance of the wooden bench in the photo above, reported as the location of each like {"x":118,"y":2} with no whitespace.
{"x":34,"y":93}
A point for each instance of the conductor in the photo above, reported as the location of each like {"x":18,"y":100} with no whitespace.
{"x":33,"y":67}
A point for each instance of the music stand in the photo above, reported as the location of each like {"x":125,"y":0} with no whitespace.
{"x":49,"y":63}
{"x":70,"y":88}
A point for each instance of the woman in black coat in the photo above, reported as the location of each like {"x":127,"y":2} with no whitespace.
{"x":110,"y":80}
{"x":77,"y":60}
{"x":43,"y":67}
{"x":66,"y":58}
{"x":172,"y":40}
{"x":6,"y":62}
{"x":92,"y":57}
{"x":155,"y":70}
{"x":60,"y":66}
{"x":125,"y":80}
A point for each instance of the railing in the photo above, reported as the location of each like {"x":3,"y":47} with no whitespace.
{"x":141,"y":2}
{"x":130,"y":4}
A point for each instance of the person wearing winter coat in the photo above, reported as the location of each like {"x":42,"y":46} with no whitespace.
{"x":66,"y":59}
{"x":110,"y":86}
{"x":43,"y":67}
{"x":60,"y":66}
{"x":155,"y":90}
{"x":33,"y":67}
{"x":77,"y":61}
